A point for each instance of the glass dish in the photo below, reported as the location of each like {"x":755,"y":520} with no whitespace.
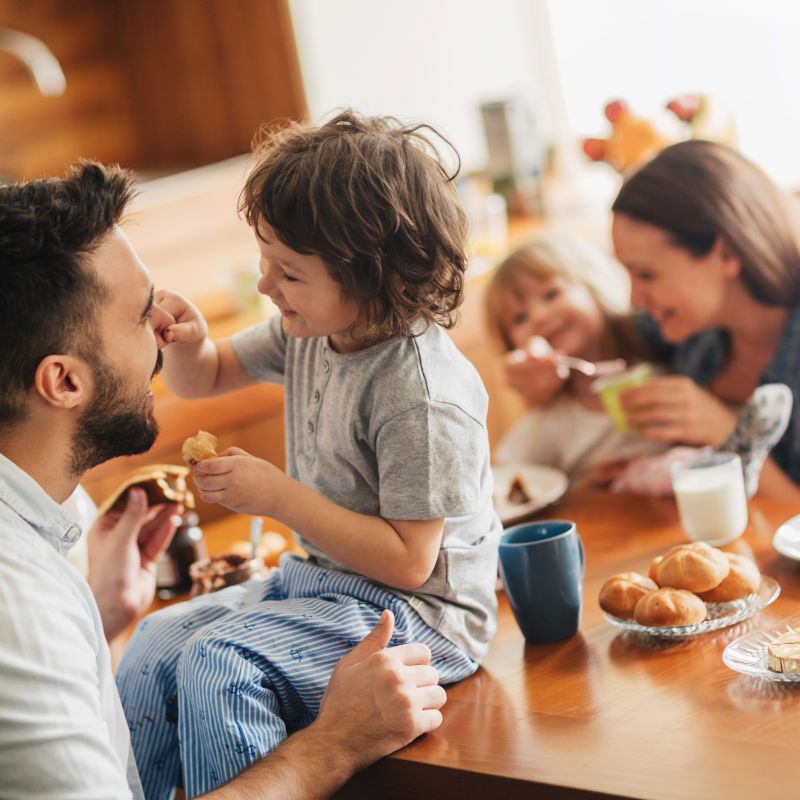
{"x":748,"y":654}
{"x":720,"y":615}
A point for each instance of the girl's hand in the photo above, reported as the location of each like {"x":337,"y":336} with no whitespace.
{"x":240,"y":482}
{"x":675,"y":409}
{"x":535,"y":372}
{"x":189,"y":325}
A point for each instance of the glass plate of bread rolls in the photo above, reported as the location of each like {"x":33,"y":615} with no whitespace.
{"x":692,"y":589}
{"x":772,"y":654}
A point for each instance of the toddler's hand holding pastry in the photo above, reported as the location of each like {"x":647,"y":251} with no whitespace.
{"x":241,"y":482}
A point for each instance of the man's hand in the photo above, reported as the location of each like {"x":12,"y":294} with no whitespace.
{"x":123,"y":552}
{"x":240,"y":482}
{"x":379,"y":699}
{"x":675,"y":409}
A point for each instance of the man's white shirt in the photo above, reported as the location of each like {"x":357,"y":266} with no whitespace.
{"x":63,"y":733}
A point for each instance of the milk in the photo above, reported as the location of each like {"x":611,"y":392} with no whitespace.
{"x":711,"y":498}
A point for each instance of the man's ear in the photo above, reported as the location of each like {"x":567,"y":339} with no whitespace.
{"x":731,"y":265}
{"x":63,"y":381}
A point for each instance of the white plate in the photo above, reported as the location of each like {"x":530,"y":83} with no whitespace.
{"x":720,"y":615}
{"x":787,"y":538}
{"x":748,"y":654}
{"x":544,"y":485}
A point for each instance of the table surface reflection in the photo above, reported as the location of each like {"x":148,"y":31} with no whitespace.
{"x":608,"y":713}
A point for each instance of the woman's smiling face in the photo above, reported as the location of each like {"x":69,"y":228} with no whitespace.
{"x":684,"y":293}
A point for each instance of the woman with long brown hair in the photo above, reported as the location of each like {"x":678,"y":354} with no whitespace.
{"x":712,"y":249}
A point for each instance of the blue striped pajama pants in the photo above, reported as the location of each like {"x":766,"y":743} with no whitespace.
{"x":214,"y":684}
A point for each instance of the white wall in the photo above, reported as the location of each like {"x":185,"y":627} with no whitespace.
{"x":430,"y":60}
{"x":745,"y":51}
{"x":436,"y":60}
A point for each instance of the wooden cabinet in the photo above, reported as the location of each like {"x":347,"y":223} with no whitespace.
{"x":155,"y":85}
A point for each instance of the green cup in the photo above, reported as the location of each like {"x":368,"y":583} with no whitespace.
{"x":609,"y":388}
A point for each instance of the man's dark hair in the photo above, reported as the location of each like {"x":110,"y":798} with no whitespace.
{"x":370,"y":196}
{"x":49,"y":296}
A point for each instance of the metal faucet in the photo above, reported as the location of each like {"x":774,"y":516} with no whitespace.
{"x":38,"y":58}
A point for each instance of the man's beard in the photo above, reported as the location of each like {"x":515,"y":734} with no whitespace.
{"x":114,"y":425}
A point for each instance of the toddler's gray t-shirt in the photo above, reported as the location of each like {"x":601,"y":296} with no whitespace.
{"x":398,"y":431}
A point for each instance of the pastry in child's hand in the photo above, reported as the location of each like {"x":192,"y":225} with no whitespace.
{"x":667,"y":607}
{"x":199,"y":447}
{"x":742,"y":580}
{"x":696,"y":567}
{"x":620,"y":593}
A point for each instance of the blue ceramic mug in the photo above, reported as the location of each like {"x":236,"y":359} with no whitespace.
{"x":542,"y":568}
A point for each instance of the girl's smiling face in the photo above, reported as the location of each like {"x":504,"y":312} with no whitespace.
{"x":564,"y":313}
{"x":682,"y":292}
{"x":310,"y":300}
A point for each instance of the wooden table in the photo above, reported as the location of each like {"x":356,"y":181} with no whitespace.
{"x":607,"y":714}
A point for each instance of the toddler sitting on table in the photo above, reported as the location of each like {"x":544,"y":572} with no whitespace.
{"x":387,"y":485}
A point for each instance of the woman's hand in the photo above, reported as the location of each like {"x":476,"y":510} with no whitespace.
{"x":675,"y":409}
{"x":240,"y":482}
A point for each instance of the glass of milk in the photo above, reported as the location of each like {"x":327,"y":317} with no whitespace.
{"x":711,"y":497}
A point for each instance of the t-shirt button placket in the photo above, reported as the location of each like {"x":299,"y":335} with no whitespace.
{"x":316,"y":395}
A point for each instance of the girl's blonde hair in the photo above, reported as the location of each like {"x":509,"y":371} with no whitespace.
{"x":552,"y":255}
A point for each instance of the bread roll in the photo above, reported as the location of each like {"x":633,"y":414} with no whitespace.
{"x":696,"y":567}
{"x":667,"y":607}
{"x":653,"y":568}
{"x":620,"y":593}
{"x":743,"y":579}
{"x":198,"y":447}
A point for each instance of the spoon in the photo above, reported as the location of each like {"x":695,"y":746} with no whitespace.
{"x":539,"y":347}
{"x":255,"y":534}
{"x":593,"y":369}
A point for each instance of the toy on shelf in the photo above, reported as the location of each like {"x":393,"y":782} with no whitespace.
{"x":634,"y":139}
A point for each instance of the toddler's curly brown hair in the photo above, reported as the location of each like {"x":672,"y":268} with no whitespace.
{"x":371,"y":197}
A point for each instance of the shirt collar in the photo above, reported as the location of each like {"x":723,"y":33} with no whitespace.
{"x":23,"y":495}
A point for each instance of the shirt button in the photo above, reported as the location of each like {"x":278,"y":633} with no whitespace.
{"x":326,"y":365}
{"x":316,"y":395}
{"x":310,"y":426}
